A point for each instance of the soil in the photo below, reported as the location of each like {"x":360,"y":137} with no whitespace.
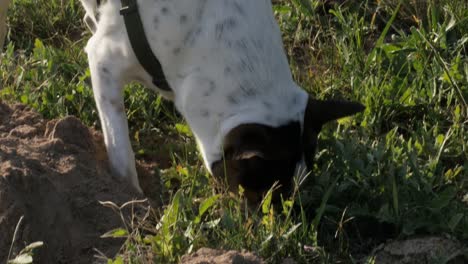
{"x":54,"y":173}
{"x":423,"y":250}
{"x":214,"y":256}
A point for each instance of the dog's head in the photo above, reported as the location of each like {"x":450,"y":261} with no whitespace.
{"x":257,"y":156}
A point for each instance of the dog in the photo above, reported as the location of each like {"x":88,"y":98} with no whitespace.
{"x":230,"y":79}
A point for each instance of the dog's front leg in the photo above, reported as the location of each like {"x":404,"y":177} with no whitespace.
{"x":108,"y":86}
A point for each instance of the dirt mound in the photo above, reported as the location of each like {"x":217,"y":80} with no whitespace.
{"x":213,"y":256}
{"x":422,"y":251}
{"x":54,"y":173}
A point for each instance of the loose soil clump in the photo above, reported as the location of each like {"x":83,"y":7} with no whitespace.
{"x":423,"y":250}
{"x":54,"y":173}
{"x":214,"y":256}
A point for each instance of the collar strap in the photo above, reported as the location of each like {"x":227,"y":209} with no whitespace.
{"x":140,"y":45}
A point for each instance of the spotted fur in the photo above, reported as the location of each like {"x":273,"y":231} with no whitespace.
{"x":231,"y":81}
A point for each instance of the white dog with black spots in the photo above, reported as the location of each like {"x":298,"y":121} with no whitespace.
{"x":230,"y":79}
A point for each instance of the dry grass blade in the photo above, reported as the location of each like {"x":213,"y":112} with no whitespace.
{"x":14,"y":236}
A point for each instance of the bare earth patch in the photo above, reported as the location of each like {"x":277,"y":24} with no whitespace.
{"x":422,"y":250}
{"x":214,"y":256}
{"x":55,"y":173}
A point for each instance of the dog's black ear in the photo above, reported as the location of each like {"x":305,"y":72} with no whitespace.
{"x":319,"y":112}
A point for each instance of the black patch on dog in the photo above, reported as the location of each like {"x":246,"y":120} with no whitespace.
{"x":319,"y":112}
{"x":232,"y":100}
{"x":239,"y":9}
{"x":224,"y":26}
{"x":156,"y":22}
{"x":227,"y":70}
{"x":176,"y":51}
{"x":183,"y":19}
{"x":256,"y":156}
{"x":165,"y":10}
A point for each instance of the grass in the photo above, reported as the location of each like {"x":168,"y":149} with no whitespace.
{"x":398,"y":170}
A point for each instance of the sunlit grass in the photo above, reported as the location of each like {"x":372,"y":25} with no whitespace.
{"x":397,"y":170}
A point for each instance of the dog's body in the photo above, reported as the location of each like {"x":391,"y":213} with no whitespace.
{"x":225,"y":63}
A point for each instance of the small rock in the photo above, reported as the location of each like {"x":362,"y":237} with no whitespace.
{"x":288,"y":261}
{"x":215,"y":256}
{"x":421,"y":251}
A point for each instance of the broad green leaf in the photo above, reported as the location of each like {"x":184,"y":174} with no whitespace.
{"x":24,"y":99}
{"x":440,"y":140}
{"x":267,"y":202}
{"x":118,"y":260}
{"x":183,"y":129}
{"x":346,"y":121}
{"x":205,"y":205}
{"x":171,"y":214}
{"x":116,"y":233}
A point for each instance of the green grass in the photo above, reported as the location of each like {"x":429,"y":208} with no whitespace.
{"x":397,"y":170}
